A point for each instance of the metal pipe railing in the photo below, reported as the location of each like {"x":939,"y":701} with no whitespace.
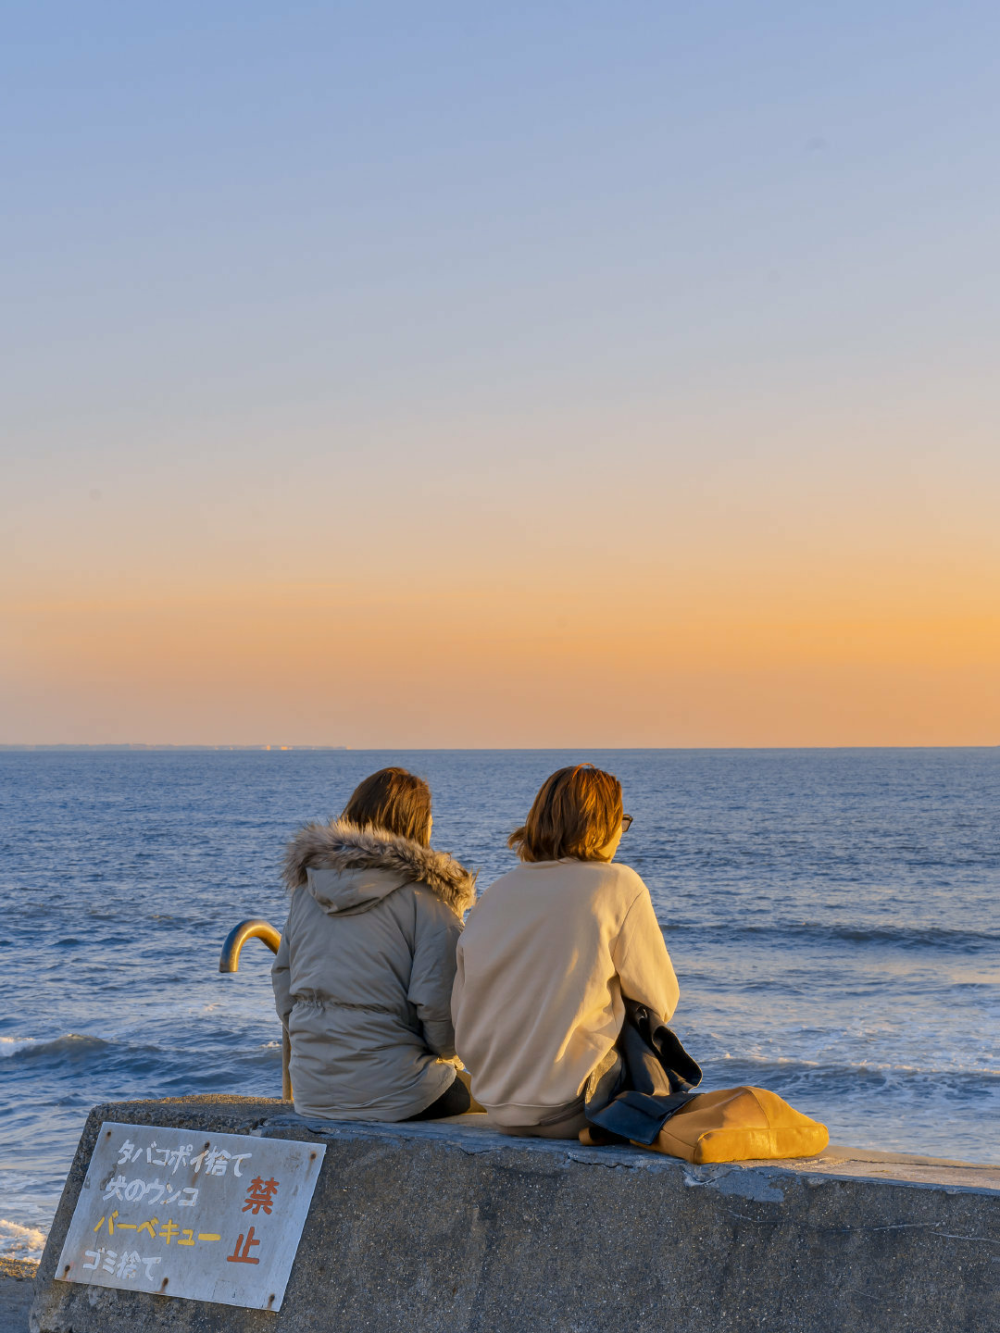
{"x":229,"y":961}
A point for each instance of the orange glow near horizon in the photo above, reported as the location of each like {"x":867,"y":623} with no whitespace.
{"x":694,"y":575}
{"x":600,"y":664}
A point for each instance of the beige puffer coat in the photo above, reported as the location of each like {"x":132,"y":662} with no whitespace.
{"x":363,"y":977}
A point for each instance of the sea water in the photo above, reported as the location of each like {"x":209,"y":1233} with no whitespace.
{"x":832,"y":916}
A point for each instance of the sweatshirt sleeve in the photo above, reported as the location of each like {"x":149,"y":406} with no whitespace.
{"x":642,"y":962}
{"x":281,"y":980}
{"x":433,"y":972}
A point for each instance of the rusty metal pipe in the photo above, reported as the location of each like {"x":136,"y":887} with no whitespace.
{"x":229,"y":961}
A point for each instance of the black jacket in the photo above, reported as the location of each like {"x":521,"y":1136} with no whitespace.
{"x":646,"y":1078}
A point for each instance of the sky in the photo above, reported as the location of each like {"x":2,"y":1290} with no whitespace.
{"x":446,"y":375}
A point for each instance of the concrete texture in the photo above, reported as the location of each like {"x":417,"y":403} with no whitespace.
{"x":449,"y":1227}
{"x":17,"y":1288}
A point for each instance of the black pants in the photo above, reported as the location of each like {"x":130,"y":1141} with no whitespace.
{"x":455,"y":1100}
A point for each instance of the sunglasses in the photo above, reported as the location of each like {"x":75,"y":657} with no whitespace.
{"x":626,"y":823}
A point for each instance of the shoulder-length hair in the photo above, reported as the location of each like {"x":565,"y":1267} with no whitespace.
{"x":575,"y":814}
{"x":392,"y":801}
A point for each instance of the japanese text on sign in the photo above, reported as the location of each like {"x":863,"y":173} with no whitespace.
{"x":218,"y":1219}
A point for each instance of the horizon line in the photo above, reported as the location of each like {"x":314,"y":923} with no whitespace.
{"x":145,"y":747}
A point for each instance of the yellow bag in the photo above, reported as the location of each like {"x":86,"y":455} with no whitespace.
{"x":739,"y":1125}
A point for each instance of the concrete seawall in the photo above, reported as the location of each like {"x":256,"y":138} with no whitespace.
{"x":449,"y":1227}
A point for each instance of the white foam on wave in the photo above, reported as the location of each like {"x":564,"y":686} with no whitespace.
{"x":18,"y":1242}
{"x":11,"y":1045}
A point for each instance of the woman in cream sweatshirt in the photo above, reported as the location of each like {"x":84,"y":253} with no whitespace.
{"x":547,"y":954}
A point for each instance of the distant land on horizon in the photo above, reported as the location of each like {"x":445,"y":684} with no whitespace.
{"x":73,"y":745}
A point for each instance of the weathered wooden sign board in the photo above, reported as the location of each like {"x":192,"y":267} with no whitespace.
{"x":216,"y":1218}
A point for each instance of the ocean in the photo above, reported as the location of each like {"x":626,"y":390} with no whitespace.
{"x":832,"y":916}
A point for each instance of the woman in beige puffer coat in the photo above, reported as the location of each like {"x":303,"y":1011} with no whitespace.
{"x":363,"y":978}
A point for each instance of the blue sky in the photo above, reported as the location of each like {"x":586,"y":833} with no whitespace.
{"x":324,"y":200}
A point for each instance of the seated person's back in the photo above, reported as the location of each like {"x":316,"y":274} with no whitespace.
{"x":363,"y":977}
{"x":546,"y":955}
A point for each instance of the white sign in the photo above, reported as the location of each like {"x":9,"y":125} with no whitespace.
{"x":212,"y":1217}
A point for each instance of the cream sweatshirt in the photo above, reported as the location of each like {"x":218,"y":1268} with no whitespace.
{"x":547,"y":952}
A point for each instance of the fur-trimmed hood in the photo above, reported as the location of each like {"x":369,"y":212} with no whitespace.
{"x":342,"y":850}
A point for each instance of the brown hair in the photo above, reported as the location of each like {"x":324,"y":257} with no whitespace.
{"x":575,"y":814}
{"x":395,"y":802}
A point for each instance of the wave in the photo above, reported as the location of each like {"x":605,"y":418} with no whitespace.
{"x":19,"y":1242}
{"x":87,"y":1069}
{"x":791,"y":1066}
{"x":71,"y":1043}
{"x":906,"y":937}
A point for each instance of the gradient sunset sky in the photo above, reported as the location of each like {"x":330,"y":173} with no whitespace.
{"x":546,"y":375}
